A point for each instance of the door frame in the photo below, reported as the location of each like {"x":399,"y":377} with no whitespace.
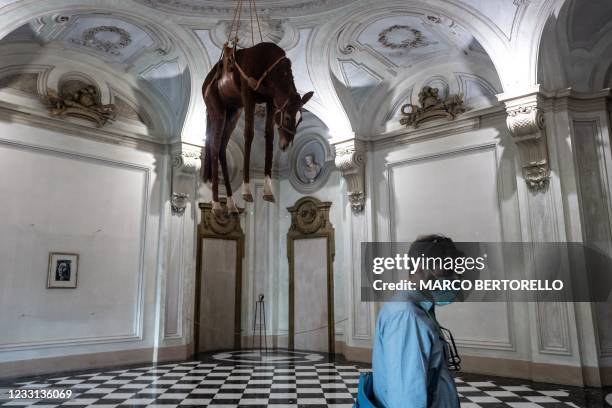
{"x":226,"y":227}
{"x":310,"y":220}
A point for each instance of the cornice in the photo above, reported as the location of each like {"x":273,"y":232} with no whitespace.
{"x":12,"y":115}
{"x":469,"y":121}
{"x":560,"y":99}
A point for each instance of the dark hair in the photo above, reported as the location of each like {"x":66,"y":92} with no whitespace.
{"x":434,"y":246}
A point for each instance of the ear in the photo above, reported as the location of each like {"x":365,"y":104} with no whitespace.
{"x":307,"y":97}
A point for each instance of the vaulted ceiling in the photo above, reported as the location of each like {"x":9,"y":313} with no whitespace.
{"x":363,"y":58}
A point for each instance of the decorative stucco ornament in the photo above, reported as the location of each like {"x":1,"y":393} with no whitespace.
{"x":399,"y":37}
{"x":432,"y":107}
{"x":82,"y":103}
{"x":92,"y":38}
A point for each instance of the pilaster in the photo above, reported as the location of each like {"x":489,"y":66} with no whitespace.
{"x":351,"y":160}
{"x":180,"y":277}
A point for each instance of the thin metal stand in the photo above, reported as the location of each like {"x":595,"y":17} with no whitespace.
{"x":260,"y":315}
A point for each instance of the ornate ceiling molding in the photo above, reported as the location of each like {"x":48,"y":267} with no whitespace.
{"x":413,"y":38}
{"x":285,"y":8}
{"x":90,"y":38}
{"x":272,"y":30}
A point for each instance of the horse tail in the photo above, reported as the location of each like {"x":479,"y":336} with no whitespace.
{"x":207,"y":170}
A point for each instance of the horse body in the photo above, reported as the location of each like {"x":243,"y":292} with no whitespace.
{"x":239,"y":81}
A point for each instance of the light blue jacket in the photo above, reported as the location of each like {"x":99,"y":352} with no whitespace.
{"x":408,"y":363}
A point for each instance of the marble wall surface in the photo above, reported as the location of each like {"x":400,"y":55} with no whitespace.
{"x":311,"y":319}
{"x":102,"y":201}
{"x":218,"y":295}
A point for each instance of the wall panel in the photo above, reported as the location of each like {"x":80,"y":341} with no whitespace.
{"x":454,"y":193}
{"x":59,"y":202}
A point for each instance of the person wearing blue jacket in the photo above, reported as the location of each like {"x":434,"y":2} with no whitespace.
{"x":409,"y":365}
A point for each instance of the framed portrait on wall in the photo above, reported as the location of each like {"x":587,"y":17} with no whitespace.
{"x":63,"y":270}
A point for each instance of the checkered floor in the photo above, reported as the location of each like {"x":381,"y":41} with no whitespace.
{"x":280,"y":379}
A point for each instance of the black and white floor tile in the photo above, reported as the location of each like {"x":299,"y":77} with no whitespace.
{"x":275,"y":379}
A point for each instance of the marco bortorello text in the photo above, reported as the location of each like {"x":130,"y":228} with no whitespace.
{"x":481,"y":272}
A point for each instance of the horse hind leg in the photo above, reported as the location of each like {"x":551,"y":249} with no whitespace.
{"x":230,"y":125}
{"x":249,"y":133}
{"x":216,"y":121}
{"x":247,"y":195}
{"x":268,"y":195}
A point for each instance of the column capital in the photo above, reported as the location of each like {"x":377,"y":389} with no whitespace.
{"x":186,"y":163}
{"x":186,"y":158}
{"x":351,"y":160}
{"x":527,"y":126}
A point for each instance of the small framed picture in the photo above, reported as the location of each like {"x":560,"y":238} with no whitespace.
{"x":63,"y":270}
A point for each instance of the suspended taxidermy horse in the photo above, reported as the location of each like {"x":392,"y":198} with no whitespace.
{"x":241,"y":79}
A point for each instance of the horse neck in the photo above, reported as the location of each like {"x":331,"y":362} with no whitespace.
{"x":281,"y":94}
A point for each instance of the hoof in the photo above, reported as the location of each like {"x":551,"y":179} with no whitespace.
{"x":248,"y":198}
{"x":231,"y":206}
{"x":269,"y":198}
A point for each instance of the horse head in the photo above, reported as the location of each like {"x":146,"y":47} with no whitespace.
{"x":288,"y":118}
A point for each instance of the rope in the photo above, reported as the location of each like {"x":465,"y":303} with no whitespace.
{"x":238,"y":21}
{"x":234,"y":21}
{"x":251,"y":10}
{"x":257,"y":17}
{"x":235,"y":26}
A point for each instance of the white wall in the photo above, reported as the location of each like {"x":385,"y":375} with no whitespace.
{"x":462,"y":186}
{"x":103,"y":201}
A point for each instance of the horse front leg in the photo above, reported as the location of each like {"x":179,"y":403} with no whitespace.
{"x":230,"y":124}
{"x":249,"y":132}
{"x":269,"y":136}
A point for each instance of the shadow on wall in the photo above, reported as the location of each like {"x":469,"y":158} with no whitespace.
{"x":576,"y":54}
{"x":355,"y":103}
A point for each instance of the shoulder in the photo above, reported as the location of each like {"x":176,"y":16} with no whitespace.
{"x":404,"y":314}
{"x":400,"y":308}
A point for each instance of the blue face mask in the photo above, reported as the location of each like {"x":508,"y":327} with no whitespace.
{"x":444,"y":297}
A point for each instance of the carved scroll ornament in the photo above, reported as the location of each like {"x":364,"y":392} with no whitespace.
{"x":432,"y":107}
{"x":215,"y":225}
{"x":351,"y":161}
{"x":83,"y":103}
{"x":527,"y":126}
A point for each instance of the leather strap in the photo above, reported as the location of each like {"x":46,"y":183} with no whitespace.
{"x":253,"y":83}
